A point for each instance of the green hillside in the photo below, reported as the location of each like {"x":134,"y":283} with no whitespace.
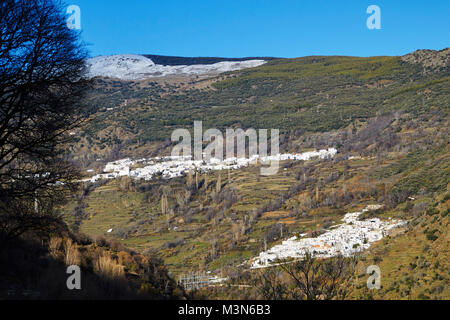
{"x":390,"y":113}
{"x":313,"y":94}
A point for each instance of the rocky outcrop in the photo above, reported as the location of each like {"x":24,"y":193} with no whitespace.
{"x":431,"y":60}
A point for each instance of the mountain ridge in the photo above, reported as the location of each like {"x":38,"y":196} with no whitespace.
{"x":180,"y":60}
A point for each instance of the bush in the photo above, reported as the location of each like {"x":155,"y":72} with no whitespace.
{"x":173,"y":244}
{"x":432,"y":211}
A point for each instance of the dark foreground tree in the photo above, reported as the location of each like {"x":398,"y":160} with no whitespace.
{"x":41,"y":81}
{"x":308,"y":279}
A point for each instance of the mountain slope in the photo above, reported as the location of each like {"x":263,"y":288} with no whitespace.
{"x":314,"y":94}
{"x":387,"y":116}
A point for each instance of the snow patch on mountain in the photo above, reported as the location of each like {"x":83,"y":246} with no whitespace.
{"x":136,"y":67}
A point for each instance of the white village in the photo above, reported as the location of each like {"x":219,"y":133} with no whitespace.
{"x":345,"y":239}
{"x":176,"y":166}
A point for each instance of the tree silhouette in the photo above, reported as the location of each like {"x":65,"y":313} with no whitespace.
{"x":41,"y":83}
{"x":308,"y":279}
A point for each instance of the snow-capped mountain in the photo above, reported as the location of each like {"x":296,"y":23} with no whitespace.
{"x":137,"y":67}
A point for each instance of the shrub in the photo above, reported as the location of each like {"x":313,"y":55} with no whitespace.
{"x":173,"y":244}
{"x":432,"y":211}
{"x":72,"y":255}
{"x":109,"y":268}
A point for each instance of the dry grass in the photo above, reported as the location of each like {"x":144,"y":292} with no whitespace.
{"x":109,"y":268}
{"x":288,"y":221}
{"x":275,"y":214}
{"x":55,"y":247}
{"x":72,"y":255}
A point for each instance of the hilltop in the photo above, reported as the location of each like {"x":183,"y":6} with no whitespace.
{"x":431,"y":60}
{"x":189,"y":61}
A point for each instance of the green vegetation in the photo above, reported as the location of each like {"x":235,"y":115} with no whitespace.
{"x":389,"y":115}
{"x":316,"y":94}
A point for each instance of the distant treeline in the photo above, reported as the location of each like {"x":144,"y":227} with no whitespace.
{"x":187,"y":61}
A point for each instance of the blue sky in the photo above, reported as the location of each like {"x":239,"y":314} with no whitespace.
{"x":243,"y":28}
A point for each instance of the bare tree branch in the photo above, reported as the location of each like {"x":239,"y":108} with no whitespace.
{"x":41,"y":83}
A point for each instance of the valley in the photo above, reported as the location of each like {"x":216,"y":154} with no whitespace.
{"x":176,"y":152}
{"x":386,"y":117}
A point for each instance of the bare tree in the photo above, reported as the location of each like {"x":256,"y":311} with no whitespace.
{"x":270,"y":286}
{"x":309,"y":279}
{"x":41,"y":83}
{"x":321,"y":279}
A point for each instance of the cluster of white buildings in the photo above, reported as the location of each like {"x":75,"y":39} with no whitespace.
{"x":345,"y":239}
{"x":175,"y":166}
